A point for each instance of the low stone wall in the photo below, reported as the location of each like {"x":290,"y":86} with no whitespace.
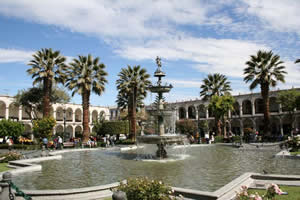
{"x":227,"y":192}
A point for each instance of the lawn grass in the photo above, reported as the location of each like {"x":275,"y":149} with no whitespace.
{"x":295,"y":153}
{"x":293,"y":193}
{"x":3,"y":167}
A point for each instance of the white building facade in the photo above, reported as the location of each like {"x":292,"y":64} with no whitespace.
{"x":68,"y":116}
{"x":248,"y":113}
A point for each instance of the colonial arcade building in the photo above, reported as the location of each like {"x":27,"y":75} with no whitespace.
{"x":68,"y":116}
{"x":248,"y":113}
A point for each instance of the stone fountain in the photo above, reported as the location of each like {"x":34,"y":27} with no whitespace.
{"x":161,"y":139}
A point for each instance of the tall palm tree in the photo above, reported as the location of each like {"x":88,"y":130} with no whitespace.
{"x":264,"y":69}
{"x":86,"y":75}
{"x":215,"y":85}
{"x":132,"y":84}
{"x":48,"y":68}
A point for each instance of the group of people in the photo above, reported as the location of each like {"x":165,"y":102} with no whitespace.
{"x":109,"y":140}
{"x":209,"y":138}
{"x":57,"y":143}
{"x":92,"y":142}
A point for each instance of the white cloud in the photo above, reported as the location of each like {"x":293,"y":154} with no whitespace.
{"x":14,"y":55}
{"x":177,"y":83}
{"x":280,"y":15}
{"x":210,"y":55}
{"x":111,"y":19}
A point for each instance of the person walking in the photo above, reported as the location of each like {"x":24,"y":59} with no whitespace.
{"x":45,"y":142}
{"x":10,"y":143}
{"x":60,"y":142}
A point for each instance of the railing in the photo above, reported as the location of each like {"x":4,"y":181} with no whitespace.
{"x":6,"y":186}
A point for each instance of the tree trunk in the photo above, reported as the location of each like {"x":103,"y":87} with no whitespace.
{"x":85,"y":107}
{"x":218,"y":126}
{"x":133,"y":115}
{"x":46,"y":97}
{"x":266,"y":101}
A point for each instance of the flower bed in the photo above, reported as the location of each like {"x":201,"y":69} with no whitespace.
{"x":273,"y":192}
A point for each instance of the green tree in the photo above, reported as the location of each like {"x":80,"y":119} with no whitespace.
{"x":86,"y":75}
{"x":11,"y":128}
{"x":47,"y":68}
{"x":132,"y":84}
{"x":43,"y":127}
{"x":215,"y":85}
{"x":220,"y":105}
{"x":186,"y":126}
{"x":264,"y":69}
{"x":290,"y":101}
{"x":113,"y":127}
{"x":32,"y":99}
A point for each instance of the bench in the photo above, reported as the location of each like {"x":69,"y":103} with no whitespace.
{"x":68,"y":144}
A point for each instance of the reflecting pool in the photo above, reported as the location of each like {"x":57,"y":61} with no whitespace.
{"x":206,"y":168}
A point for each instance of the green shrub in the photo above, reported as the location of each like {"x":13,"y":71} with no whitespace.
{"x":21,"y":146}
{"x":219,"y":139}
{"x":43,"y":127}
{"x":11,"y":128}
{"x":144,"y":188}
{"x":125,"y":142}
{"x":112,"y":127}
{"x":10,"y":156}
{"x":236,"y":138}
{"x":186,"y":126}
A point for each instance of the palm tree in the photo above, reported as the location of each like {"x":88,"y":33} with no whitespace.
{"x":264,"y":69}
{"x":132,"y":84}
{"x":48,"y":67}
{"x":215,"y":85}
{"x":86,"y":75}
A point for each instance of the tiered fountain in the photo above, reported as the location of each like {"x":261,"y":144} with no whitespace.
{"x":160,"y":139}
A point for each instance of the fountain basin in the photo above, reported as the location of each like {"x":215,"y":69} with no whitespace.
{"x":161,"y":139}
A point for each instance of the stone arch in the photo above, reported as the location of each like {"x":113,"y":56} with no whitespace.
{"x":247,"y":107}
{"x":78,"y":131}
{"x":13,"y":111}
{"x":191,"y":112}
{"x":59,"y":129}
{"x":259,"y":106}
{"x":287,"y":124}
{"x":275,"y":125}
{"x":69,"y":130}
{"x":201,"y":111}
{"x":236,"y":109}
{"x":274,"y":106}
{"x":102,"y":115}
{"x":248,"y":123}
{"x":59,"y":114}
{"x":94,"y":116}
{"x":94,"y":129}
{"x":182,"y":113}
{"x":2,"y":109}
{"x":69,"y":115}
{"x":25,"y":115}
{"x":236,"y":126}
{"x":210,"y":112}
{"x":78,"y":115}
{"x":27,"y":129}
{"x":259,"y":124}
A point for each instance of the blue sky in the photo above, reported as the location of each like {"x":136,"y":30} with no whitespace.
{"x":193,"y":38}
